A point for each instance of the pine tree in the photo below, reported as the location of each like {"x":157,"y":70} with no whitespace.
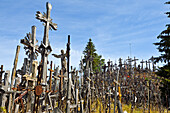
{"x":91,"y":51}
{"x":163,"y":47}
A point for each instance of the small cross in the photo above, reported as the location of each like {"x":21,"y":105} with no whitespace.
{"x":142,"y":64}
{"x":51,"y":66}
{"x":61,"y":79}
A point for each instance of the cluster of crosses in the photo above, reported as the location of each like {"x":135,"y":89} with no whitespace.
{"x":82,"y":92}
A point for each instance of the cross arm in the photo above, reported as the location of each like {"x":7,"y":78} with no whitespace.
{"x":41,"y":17}
{"x":57,"y":56}
{"x":53,"y":25}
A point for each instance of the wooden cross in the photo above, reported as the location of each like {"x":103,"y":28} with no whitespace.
{"x":30,"y":45}
{"x":73,"y":71}
{"x":51,"y":66}
{"x":1,"y":72}
{"x":130,"y":66}
{"x":149,"y":64}
{"x":56,"y":78}
{"x":142,"y":64}
{"x":5,"y":88}
{"x":61,"y":80}
{"x":146,"y":65}
{"x":45,"y":47}
{"x":152,"y":60}
{"x":13,"y":76}
{"x":135,"y":61}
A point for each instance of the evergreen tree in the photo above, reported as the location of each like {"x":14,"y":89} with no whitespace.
{"x":163,"y":47}
{"x":90,"y":51}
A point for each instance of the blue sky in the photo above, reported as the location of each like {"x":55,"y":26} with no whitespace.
{"x":112,"y":25}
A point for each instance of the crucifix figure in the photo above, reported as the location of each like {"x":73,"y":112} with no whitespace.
{"x":63,"y":60}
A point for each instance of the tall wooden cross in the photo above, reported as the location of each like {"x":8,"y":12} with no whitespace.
{"x":45,"y":47}
{"x":13,"y":76}
{"x":69,"y":79}
{"x":30,"y":46}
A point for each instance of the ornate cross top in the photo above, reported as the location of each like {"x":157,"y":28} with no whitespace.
{"x":30,"y":44}
{"x":48,"y":22}
{"x":45,"y":47}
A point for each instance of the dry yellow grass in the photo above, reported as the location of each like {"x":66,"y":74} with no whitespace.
{"x":124,"y":107}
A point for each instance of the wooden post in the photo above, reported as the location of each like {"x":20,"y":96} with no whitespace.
{"x":68,"y":82}
{"x":51,"y":66}
{"x":1,"y":72}
{"x":116,"y":87}
{"x":5,"y":88}
{"x":13,"y":76}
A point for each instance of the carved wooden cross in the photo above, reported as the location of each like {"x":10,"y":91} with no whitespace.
{"x":30,"y":46}
{"x":45,"y":47}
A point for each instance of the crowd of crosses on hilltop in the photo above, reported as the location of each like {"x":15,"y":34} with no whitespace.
{"x":98,"y":86}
